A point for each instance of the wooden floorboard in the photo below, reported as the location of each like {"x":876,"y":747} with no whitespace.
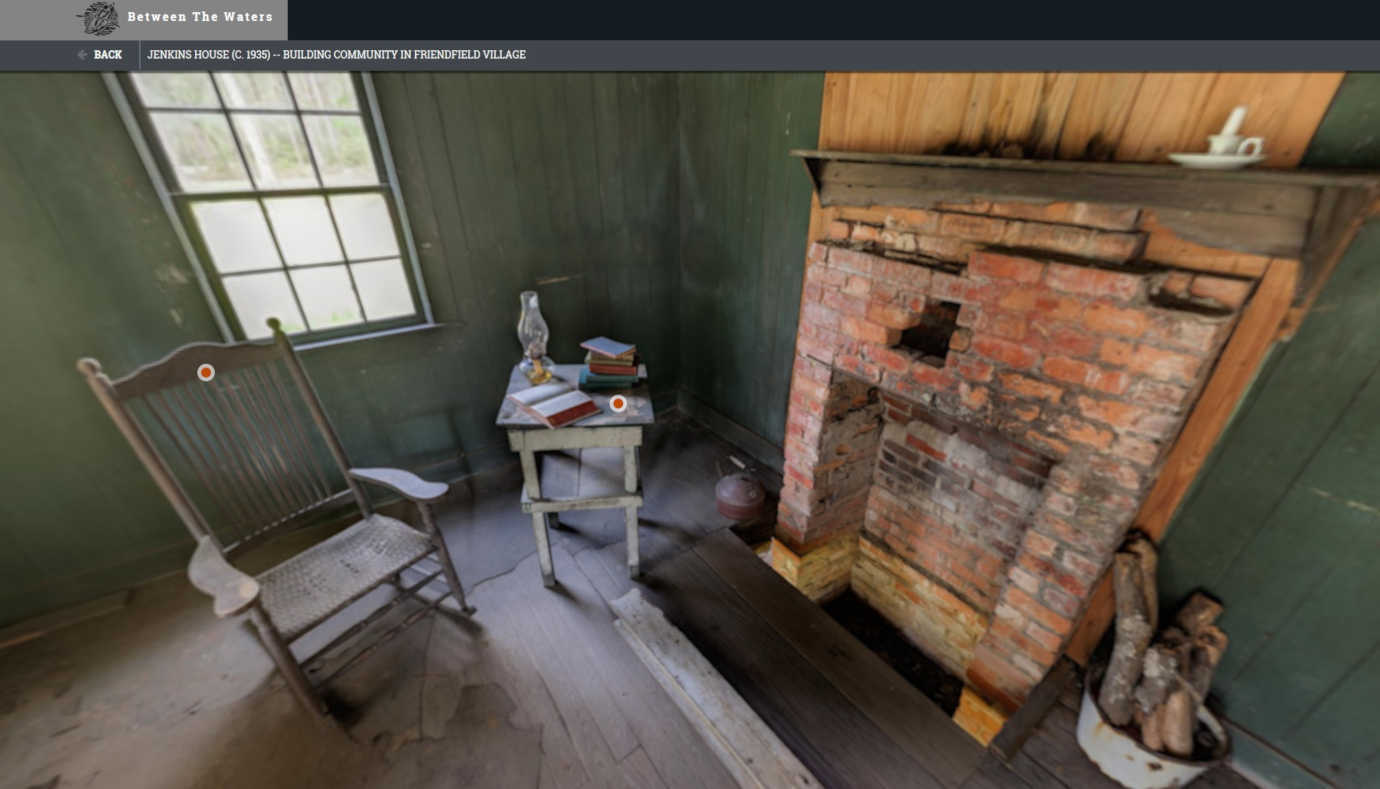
{"x":826,"y":731}
{"x":913,"y":722}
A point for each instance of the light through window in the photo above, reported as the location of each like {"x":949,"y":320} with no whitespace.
{"x":280,"y":182}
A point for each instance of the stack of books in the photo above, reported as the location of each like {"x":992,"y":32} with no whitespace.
{"x":609,"y":365}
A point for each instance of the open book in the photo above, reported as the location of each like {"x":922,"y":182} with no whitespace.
{"x":555,"y":404}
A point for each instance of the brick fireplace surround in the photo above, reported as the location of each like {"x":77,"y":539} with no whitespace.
{"x":974,"y":494}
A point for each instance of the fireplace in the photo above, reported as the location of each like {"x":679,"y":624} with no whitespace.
{"x":979,"y":402}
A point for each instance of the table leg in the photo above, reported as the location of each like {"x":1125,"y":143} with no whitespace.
{"x":548,"y":574}
{"x":532,"y":482}
{"x":630,"y":485}
{"x":631,"y":514}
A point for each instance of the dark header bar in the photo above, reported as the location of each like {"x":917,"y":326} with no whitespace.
{"x":692,"y":55}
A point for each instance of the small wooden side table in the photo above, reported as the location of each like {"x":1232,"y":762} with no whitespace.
{"x":578,"y":469}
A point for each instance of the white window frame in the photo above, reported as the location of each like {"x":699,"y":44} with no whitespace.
{"x":175,"y":202}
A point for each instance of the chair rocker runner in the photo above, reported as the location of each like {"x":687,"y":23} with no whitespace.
{"x":250,"y":452}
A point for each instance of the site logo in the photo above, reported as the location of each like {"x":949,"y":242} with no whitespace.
{"x":99,"y":19}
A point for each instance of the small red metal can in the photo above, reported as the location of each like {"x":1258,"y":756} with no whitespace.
{"x":739,"y":497}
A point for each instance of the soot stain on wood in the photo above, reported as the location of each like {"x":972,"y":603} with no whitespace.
{"x":888,"y":643}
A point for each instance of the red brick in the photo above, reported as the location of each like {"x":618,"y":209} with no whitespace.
{"x":1037,"y":299}
{"x":839,"y":231}
{"x":961,"y":339}
{"x":802,"y":478}
{"x":968,"y":367}
{"x":1062,"y":368}
{"x":814,"y":347}
{"x":1044,"y":638}
{"x":990,"y":264}
{"x":1115,"y":247}
{"x":1010,"y":325}
{"x":968,"y":315}
{"x":1052,"y":237}
{"x":955,"y":250}
{"x":914,"y":219}
{"x":1093,"y":282}
{"x":1163,"y":365}
{"x":1190,"y":333}
{"x":1116,"y":352}
{"x":908,"y":275}
{"x":853,"y":261}
{"x":1030,"y":387}
{"x":844,"y":304}
{"x":971,"y":227}
{"x":862,"y":232}
{"x":1176,"y":284}
{"x":1040,"y":545}
{"x":1118,"y":473}
{"x":825,"y":277}
{"x":810,"y":292}
{"x":1137,"y":450}
{"x":948,"y":287}
{"x":859,"y":367}
{"x":1229,"y":292}
{"x":1113,"y":412}
{"x":817,"y":253}
{"x":925,"y":375}
{"x":811,"y":370}
{"x":1037,"y":611}
{"x":974,"y":398}
{"x":1107,"y":319}
{"x":891,"y":316}
{"x":1047,"y":443}
{"x":819,"y":315}
{"x":888,"y":358}
{"x":1009,"y":353}
{"x":1059,"y":601}
{"x":903,"y":242}
{"x":1081,"y":432}
{"x":1061,"y":339}
{"x":1158,"y":393}
{"x":858,"y":286}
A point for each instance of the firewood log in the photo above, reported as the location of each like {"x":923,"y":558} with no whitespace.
{"x":1199,"y":612}
{"x":1181,"y":709}
{"x":1159,"y":675}
{"x":1132,"y":637}
{"x":1179,"y":716}
{"x":1145,"y":551}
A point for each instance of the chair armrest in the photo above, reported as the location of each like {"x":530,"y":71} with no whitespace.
{"x":232,"y":591}
{"x":403,"y":483}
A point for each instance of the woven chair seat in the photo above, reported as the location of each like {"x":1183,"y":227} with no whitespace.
{"x":305,"y":590}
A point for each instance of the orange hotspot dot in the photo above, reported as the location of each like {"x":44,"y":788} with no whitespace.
{"x":205,"y":372}
{"x":619,"y":403}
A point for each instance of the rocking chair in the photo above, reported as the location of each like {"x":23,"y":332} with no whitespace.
{"x":239,"y":429}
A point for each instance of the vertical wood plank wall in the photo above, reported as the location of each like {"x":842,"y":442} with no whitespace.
{"x":744,"y":207}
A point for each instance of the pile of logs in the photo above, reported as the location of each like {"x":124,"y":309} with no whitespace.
{"x":1158,"y":686}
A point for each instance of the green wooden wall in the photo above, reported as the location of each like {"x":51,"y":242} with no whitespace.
{"x":562,"y":183}
{"x":1284,"y":523}
{"x":744,"y":212}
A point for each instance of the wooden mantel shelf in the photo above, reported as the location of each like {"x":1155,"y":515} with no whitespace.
{"x":1307,"y":215}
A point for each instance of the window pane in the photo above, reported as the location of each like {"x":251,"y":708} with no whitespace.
{"x":365,"y":226}
{"x":266,"y":91}
{"x":176,"y":90}
{"x":236,"y":235}
{"x":201,"y":151}
{"x":327,"y":297}
{"x":303,"y":228}
{"x":317,"y":91}
{"x":383,"y":289}
{"x":342,"y":149}
{"x":258,"y":297}
{"x":275,"y":150}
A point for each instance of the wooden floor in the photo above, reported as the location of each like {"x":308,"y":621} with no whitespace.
{"x":538,"y":690}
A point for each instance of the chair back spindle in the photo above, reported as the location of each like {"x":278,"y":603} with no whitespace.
{"x":240,"y":455}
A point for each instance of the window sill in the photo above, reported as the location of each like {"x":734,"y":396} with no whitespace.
{"x":418,"y":327}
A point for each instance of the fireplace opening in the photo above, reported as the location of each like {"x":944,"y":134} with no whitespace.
{"x":931,"y":336}
{"x":891,"y":645}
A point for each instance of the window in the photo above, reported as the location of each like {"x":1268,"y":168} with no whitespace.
{"x":281,"y":184}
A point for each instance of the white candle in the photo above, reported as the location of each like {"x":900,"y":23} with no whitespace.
{"x":1234,"y":121}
